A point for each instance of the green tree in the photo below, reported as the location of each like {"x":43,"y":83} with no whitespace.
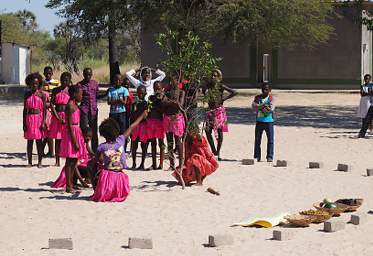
{"x":28,"y":20}
{"x":97,"y":19}
{"x":277,"y":23}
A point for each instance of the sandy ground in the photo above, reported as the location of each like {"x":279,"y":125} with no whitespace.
{"x":310,"y":127}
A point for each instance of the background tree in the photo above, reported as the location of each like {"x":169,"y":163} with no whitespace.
{"x":28,"y":20}
{"x":97,"y":19}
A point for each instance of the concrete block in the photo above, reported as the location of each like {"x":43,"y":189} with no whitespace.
{"x":334,"y":226}
{"x":61,"y":243}
{"x":140,"y":243}
{"x":220,"y":240}
{"x":315,"y":165}
{"x":248,"y":161}
{"x":369,"y":172}
{"x":344,"y":167}
{"x":281,"y":163}
{"x":282,"y":235}
{"x":358,"y":219}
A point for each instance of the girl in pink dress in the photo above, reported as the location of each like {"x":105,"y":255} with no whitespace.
{"x":72,"y":142}
{"x":154,"y":125}
{"x":34,"y":113}
{"x":82,"y":169}
{"x":113,"y":184}
{"x":139,"y":134}
{"x":174,"y":121}
{"x":60,"y":98}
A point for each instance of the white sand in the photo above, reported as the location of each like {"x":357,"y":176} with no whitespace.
{"x":180,"y":221}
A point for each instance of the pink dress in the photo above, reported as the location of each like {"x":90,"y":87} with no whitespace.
{"x":174,"y":124}
{"x":34,"y":121}
{"x":197,"y":155}
{"x":61,"y":180}
{"x":140,"y":132}
{"x":67,"y":149}
{"x":113,"y":183}
{"x":154,"y":128}
{"x":217,"y":119}
{"x":56,"y":128}
{"x":48,"y":117}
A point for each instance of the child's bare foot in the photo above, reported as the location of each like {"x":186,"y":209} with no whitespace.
{"x":171,"y":169}
{"x":40,"y":165}
{"x":141,"y":167}
{"x":29,"y":165}
{"x":199,"y":184}
{"x":57,"y":164}
{"x":133,"y":166}
{"x":159,"y":168}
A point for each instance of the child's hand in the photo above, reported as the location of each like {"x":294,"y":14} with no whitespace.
{"x":43,"y":126}
{"x":62,"y":121}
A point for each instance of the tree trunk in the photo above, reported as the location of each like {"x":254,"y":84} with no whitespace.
{"x":113,"y":50}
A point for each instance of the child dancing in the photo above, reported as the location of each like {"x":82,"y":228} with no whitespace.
{"x":113,"y":183}
{"x":216,"y":115}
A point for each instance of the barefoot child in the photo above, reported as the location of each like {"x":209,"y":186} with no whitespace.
{"x":60,"y":98}
{"x":264,"y":106}
{"x":154,"y":125}
{"x":173,"y":121}
{"x":72,"y":142}
{"x":82,"y":169}
{"x":34,"y":114}
{"x":139,"y":134}
{"x":113,"y":183}
{"x":216,"y":115}
{"x":199,"y":160}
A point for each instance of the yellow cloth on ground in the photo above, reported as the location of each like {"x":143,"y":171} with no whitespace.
{"x":265,"y":222}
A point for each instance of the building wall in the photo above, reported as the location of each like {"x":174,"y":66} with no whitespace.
{"x":336,"y":64}
{"x":15,"y":63}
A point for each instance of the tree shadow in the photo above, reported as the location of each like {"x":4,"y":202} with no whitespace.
{"x":326,"y":116}
{"x":73,"y":197}
{"x":7,"y":155}
{"x":14,"y":166}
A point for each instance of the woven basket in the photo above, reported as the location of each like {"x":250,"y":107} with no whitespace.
{"x":299,"y":220}
{"x":319,"y":216}
{"x":334,"y":212}
{"x":350,"y":204}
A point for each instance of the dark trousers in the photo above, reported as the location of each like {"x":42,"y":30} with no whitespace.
{"x":121,"y":120}
{"x":89,"y":120}
{"x":366,"y":122}
{"x":269,"y":130}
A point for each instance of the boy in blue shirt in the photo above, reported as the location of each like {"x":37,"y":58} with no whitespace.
{"x":117,"y":99}
{"x":264,"y":106}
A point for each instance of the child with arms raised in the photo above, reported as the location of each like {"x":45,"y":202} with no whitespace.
{"x":217,"y":116}
{"x":113,"y":183}
{"x":34,"y":115}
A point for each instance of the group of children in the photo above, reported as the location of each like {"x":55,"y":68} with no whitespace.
{"x":158,"y":113}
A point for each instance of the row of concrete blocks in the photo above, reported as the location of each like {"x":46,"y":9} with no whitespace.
{"x":311,"y":165}
{"x":329,"y":227}
{"x":218,"y":240}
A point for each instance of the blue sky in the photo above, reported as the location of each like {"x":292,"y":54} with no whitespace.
{"x":46,"y":18}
